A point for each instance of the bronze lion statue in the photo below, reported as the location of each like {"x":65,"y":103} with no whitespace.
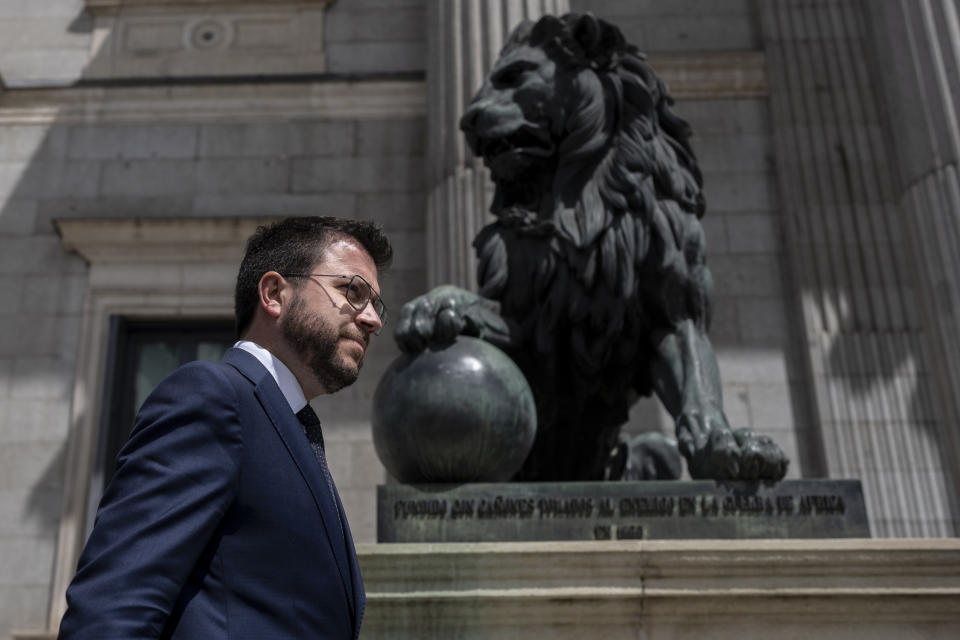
{"x":593,"y":277}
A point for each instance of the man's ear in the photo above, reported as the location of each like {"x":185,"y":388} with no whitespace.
{"x":272,"y":291}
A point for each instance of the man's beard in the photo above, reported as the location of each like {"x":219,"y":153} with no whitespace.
{"x":316,"y":341}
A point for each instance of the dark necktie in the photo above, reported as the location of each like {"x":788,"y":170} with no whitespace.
{"x":311,"y":426}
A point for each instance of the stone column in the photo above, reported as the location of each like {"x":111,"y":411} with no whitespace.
{"x":464,"y":38}
{"x":917,"y":45}
{"x":871,"y":362}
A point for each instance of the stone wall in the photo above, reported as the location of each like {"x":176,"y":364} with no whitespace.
{"x":42,"y":298}
{"x":43,"y":42}
{"x":682,"y":26}
{"x":41,"y":288}
{"x":365,"y":169}
{"x":58,"y":161}
{"x":376,"y":36}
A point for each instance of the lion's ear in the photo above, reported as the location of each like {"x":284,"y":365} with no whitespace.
{"x":586,"y":31}
{"x":547,"y":28}
{"x":600,"y":41}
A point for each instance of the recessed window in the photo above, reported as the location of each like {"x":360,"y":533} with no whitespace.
{"x":141,"y":354}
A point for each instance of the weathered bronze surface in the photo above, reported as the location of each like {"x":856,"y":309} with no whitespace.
{"x":463,"y":413}
{"x":621,"y":510}
{"x":593,"y":277}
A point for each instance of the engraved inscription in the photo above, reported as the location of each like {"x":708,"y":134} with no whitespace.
{"x":501,"y":507}
{"x":628,"y":507}
{"x":462,"y":509}
{"x":784,"y":504}
{"x":565,"y":508}
{"x":709,"y":506}
{"x":647,"y":506}
{"x":629,"y":532}
{"x":746,"y":505}
{"x":627,"y":511}
{"x":821,"y":505}
{"x":403,"y":509}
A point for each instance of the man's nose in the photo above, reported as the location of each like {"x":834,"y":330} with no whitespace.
{"x":369,"y":320}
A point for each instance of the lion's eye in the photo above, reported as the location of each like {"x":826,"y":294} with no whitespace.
{"x":511,"y":76}
{"x":508,"y":78}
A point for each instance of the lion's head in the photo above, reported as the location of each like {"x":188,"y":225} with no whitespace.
{"x":576,"y":127}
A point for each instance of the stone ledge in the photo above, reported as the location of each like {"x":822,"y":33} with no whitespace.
{"x":221,"y":103}
{"x":713,"y":74}
{"x":808,"y":588}
{"x":657,"y":563}
{"x":147,"y":240}
{"x":701,"y":76}
{"x":96,"y":5}
{"x":660,"y":590}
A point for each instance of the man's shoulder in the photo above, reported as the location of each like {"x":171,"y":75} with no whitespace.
{"x":198,"y":397}
{"x":201,"y":375}
{"x":205,"y":368}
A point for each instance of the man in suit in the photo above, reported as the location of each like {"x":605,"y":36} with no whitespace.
{"x":222,"y":520}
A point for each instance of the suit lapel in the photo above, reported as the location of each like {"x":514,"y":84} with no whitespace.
{"x":291,"y":433}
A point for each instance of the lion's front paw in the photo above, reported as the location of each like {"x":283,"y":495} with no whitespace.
{"x":714,"y":451}
{"x":434,"y":319}
{"x":715,"y":455}
{"x":760,"y":457}
{"x":705,"y":440}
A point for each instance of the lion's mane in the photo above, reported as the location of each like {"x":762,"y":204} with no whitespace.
{"x":612,"y":255}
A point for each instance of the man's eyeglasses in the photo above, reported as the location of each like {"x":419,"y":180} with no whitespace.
{"x":358,"y":292}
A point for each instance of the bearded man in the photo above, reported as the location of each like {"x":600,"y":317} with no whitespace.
{"x":222,"y":519}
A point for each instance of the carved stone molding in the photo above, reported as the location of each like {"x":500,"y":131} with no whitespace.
{"x":713,"y":74}
{"x":240,"y":102}
{"x":690,"y":77}
{"x":161,"y":240}
{"x":163,"y":38}
{"x":101,"y":5}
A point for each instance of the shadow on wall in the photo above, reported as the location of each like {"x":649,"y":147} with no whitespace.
{"x":44,"y":502}
{"x":878,"y":351}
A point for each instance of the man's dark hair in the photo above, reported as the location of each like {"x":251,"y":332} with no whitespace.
{"x":295,"y":245}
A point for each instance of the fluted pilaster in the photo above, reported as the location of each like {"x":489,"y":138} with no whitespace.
{"x":918,"y":48}
{"x":465,"y":37}
{"x":868,"y":349}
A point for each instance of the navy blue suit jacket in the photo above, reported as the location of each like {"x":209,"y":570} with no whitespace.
{"x":218,"y":522}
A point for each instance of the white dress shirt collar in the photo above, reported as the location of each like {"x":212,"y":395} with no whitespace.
{"x":287,"y":382}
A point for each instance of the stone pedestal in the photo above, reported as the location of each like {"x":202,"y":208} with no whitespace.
{"x":658,"y":590}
